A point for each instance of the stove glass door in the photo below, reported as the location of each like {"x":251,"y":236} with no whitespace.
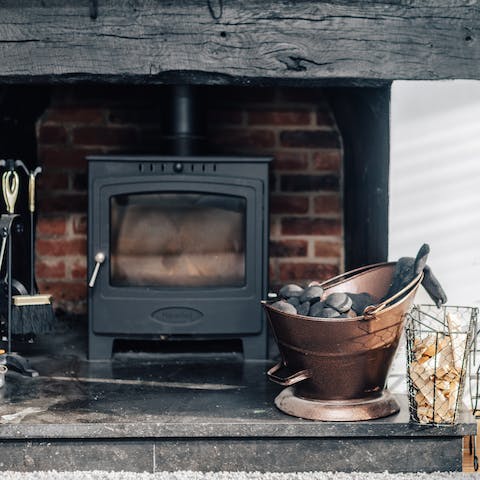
{"x":177,"y":239}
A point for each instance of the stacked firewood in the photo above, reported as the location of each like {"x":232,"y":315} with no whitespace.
{"x":436,"y":372}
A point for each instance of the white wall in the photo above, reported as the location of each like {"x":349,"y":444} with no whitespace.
{"x":435,"y":187}
{"x":435,"y":181}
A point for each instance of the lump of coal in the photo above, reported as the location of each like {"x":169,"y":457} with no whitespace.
{"x":329,"y":312}
{"x":304,"y":308}
{"x":360,"y":301}
{"x":284,"y":306}
{"x":316,"y":310}
{"x":312,"y":294}
{"x":290,"y":290}
{"x":294,"y":301}
{"x":339,"y":301}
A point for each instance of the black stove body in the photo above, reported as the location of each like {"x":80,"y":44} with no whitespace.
{"x":177,"y":250}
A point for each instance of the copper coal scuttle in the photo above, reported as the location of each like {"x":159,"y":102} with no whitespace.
{"x":335,"y":368}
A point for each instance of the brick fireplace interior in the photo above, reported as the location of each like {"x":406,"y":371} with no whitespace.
{"x":294,"y":125}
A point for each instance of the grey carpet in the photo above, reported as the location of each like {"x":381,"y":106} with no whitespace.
{"x":233,"y":476}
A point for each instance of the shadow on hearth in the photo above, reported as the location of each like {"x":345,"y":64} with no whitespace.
{"x":70,"y":338}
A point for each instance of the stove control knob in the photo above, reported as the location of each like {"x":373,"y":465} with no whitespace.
{"x":178,"y":167}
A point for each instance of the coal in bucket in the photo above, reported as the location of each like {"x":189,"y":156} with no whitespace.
{"x":336,"y":368}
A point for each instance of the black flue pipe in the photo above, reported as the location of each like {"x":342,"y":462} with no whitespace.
{"x":183,"y":121}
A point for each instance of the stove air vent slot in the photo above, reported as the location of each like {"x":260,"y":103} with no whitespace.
{"x":201,"y":167}
{"x":147,"y":167}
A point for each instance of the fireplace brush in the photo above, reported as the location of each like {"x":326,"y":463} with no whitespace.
{"x":31,"y":313}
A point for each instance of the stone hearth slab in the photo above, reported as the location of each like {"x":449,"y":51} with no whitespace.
{"x":145,"y":412}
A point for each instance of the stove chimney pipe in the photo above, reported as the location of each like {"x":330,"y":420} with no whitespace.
{"x":183,"y":121}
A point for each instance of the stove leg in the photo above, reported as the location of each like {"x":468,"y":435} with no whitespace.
{"x":255,"y":347}
{"x":100,"y":347}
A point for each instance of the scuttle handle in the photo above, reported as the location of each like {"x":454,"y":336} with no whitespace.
{"x":99,"y":259}
{"x":289,"y":380}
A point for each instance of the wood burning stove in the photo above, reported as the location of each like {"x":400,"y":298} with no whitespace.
{"x":177,"y":249}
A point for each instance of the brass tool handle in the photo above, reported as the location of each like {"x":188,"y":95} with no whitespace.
{"x":31,"y":192}
{"x":31,"y":188}
{"x":290,"y":379}
{"x":10,"y":185}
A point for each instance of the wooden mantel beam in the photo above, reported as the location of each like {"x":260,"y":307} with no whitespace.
{"x":239,"y":41}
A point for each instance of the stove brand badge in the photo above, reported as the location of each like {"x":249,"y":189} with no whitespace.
{"x":177,"y":316}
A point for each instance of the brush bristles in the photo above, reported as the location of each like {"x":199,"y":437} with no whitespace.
{"x":32,"y":319}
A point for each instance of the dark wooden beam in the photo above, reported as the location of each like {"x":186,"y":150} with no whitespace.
{"x":243,"y":41}
{"x":362,"y":116}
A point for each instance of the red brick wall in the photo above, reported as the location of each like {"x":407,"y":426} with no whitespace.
{"x":293,"y":125}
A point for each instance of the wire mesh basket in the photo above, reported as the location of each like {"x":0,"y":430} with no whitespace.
{"x":439,"y":343}
{"x":473,"y":386}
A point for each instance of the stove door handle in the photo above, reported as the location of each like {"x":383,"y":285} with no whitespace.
{"x":99,"y":259}
{"x":290,"y":379}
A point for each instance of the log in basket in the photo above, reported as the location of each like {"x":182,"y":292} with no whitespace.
{"x":335,"y":369}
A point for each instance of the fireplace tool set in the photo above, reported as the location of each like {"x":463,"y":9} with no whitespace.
{"x":24,"y":312}
{"x":32,"y":312}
